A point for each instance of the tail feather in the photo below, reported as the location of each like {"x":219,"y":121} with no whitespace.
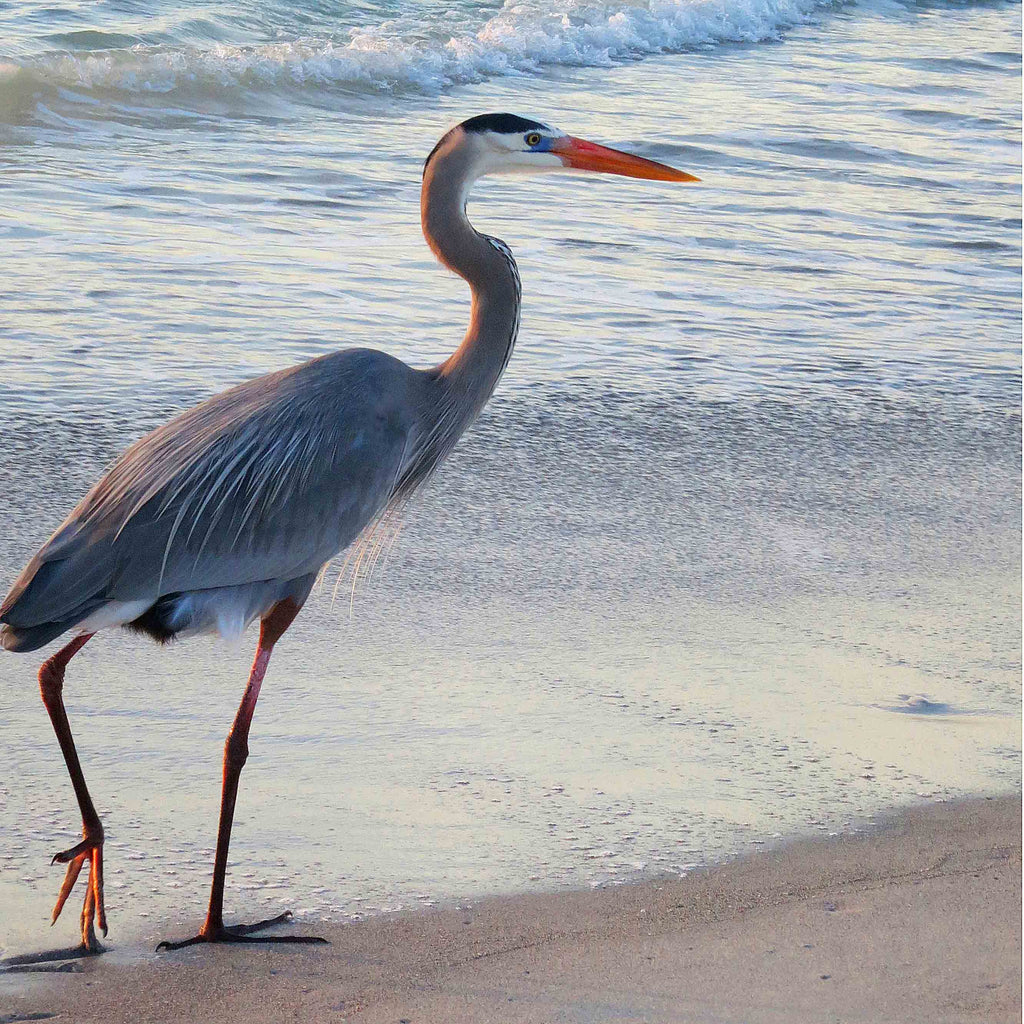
{"x":20,"y":639}
{"x":51,"y":589}
{"x":52,"y":595}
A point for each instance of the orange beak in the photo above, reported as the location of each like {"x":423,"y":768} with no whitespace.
{"x":588,"y":156}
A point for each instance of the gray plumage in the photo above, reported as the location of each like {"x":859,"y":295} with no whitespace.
{"x":229,"y":512}
{"x":238,"y":503}
{"x":213,"y":519}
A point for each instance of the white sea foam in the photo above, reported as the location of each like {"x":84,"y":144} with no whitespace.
{"x":425,"y":56}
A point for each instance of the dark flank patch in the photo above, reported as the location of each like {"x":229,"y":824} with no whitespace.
{"x":156,"y":621}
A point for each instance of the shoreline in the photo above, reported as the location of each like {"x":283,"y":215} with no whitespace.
{"x":914,"y":919}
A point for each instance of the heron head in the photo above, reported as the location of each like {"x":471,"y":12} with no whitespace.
{"x":509,"y":144}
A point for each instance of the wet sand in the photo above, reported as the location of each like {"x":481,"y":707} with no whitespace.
{"x":916,"y":919}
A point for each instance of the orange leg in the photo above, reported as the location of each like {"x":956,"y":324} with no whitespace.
{"x":236,"y":750}
{"x":51,"y":685}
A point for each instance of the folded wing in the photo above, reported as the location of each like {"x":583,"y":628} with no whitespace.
{"x":266,"y":481}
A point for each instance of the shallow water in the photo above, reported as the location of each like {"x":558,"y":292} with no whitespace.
{"x":733,"y":552}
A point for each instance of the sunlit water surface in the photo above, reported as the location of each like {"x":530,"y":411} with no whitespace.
{"x":733,"y":553}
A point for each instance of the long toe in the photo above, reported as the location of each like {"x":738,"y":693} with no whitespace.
{"x":244,"y":933}
{"x":258,"y":926}
{"x":93,"y":909}
{"x":96,"y":887}
{"x":89,"y":940}
{"x":70,"y":877}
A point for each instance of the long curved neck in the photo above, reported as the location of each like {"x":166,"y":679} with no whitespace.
{"x":475,"y":366}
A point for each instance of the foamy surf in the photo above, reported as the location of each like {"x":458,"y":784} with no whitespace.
{"x":425,"y":56}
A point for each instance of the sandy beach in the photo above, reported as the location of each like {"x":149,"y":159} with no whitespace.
{"x":916,"y":918}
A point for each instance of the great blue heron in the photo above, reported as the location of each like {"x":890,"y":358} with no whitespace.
{"x":227,"y":513}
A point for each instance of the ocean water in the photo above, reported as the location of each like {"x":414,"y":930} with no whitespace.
{"x":733,"y":553}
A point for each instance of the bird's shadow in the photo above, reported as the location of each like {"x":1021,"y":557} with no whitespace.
{"x":48,"y":961}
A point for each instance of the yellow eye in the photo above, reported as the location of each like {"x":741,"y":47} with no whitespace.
{"x":532,"y":139}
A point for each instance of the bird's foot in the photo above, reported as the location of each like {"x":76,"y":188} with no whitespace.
{"x":93,"y":910}
{"x":243,"y":933}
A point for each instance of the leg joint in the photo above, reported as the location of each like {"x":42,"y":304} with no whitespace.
{"x":236,"y":749}
{"x":277,"y":620}
{"x":51,"y":681}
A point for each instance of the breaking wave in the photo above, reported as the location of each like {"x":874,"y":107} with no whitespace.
{"x":425,"y":56}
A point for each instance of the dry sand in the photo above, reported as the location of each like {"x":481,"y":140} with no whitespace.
{"x":917,"y":920}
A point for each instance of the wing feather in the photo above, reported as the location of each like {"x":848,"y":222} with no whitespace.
{"x":266,"y":481}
